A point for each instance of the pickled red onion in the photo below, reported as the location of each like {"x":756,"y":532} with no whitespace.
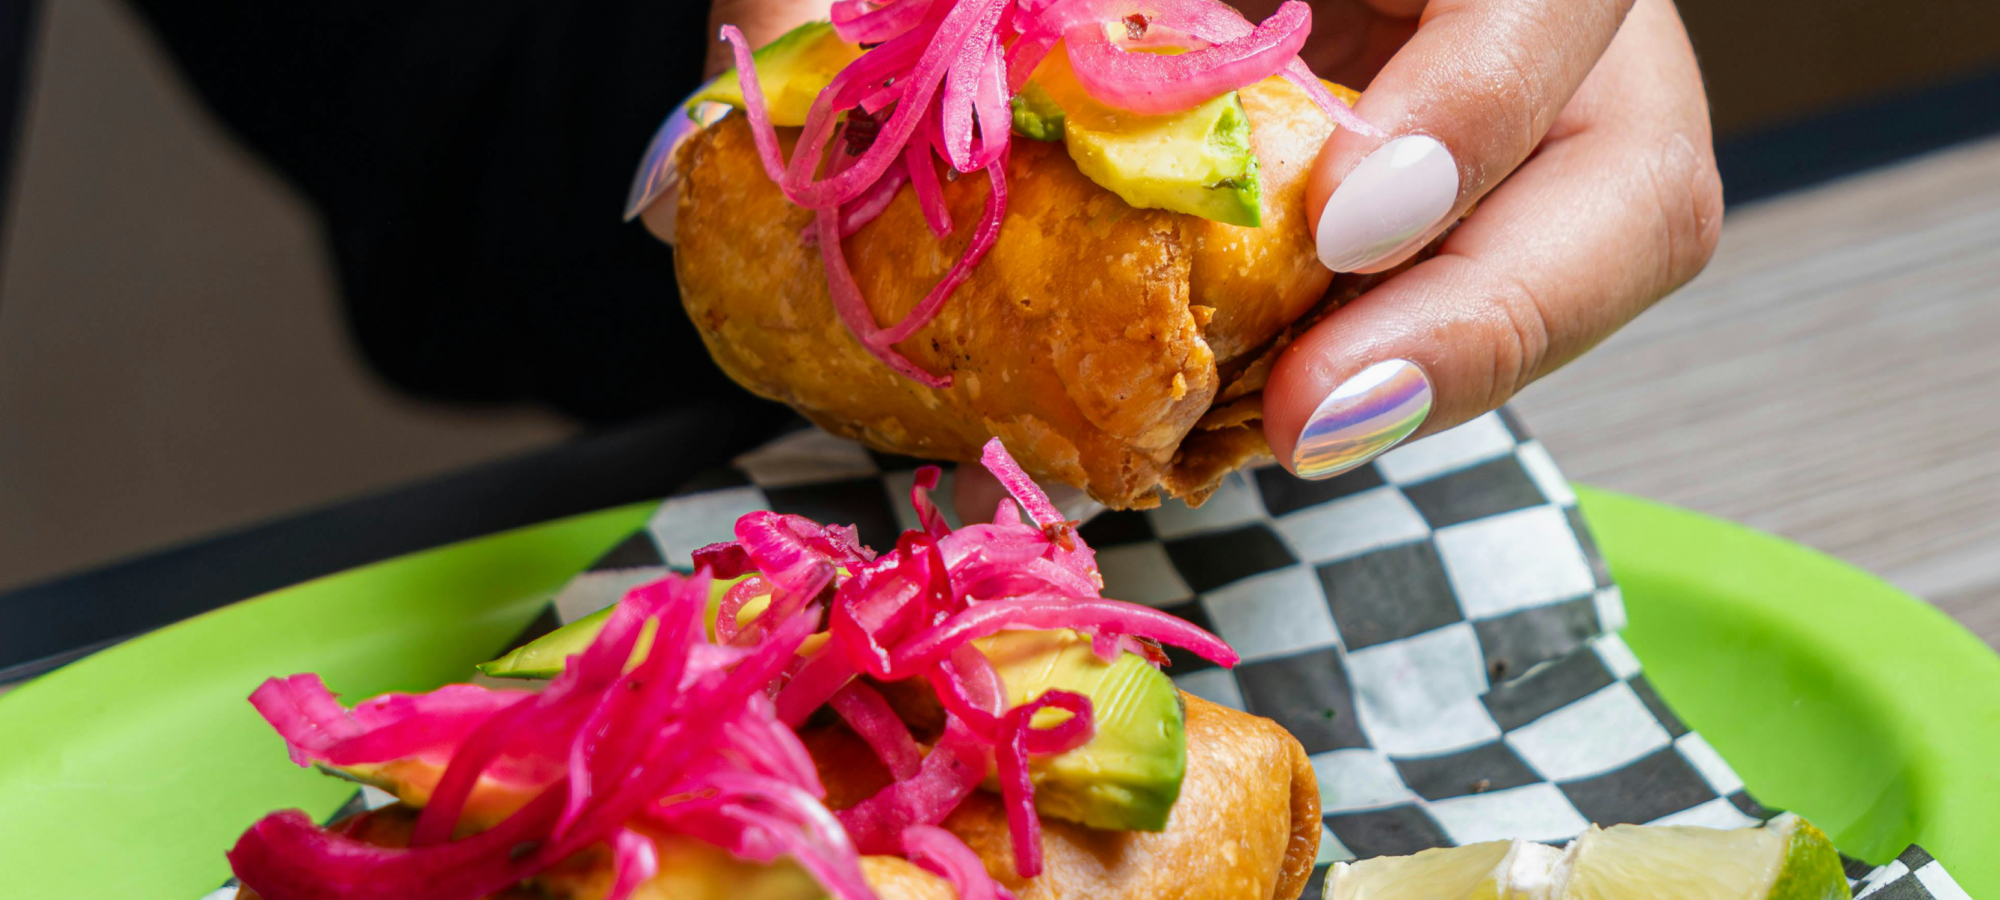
{"x":928,"y":514}
{"x":686,"y":738}
{"x":982,"y":240}
{"x":1017,"y":792}
{"x":870,"y":23}
{"x":1034,"y":502}
{"x":872,"y":202}
{"x":724,"y":560}
{"x":924,"y":182}
{"x":634,"y":860}
{"x":1155,"y":84}
{"x":950,"y":772}
{"x":870,"y":717}
{"x":1048,"y":612}
{"x":740,"y":593}
{"x":944,"y":854}
{"x":671,"y":716}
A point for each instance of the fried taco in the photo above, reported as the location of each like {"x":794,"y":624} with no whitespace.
{"x":1078,"y":226}
{"x":963,"y":717}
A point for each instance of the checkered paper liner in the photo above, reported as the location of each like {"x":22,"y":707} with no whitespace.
{"x":1436,"y":628}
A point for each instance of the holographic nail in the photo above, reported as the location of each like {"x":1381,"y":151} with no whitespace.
{"x":656,"y":173}
{"x":1366,"y":415}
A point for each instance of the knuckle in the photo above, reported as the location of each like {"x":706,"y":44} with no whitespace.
{"x":1523,"y":65}
{"x":1521,"y":337}
{"x":1689,"y":193}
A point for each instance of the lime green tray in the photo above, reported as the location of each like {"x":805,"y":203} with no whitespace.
{"x":128,"y":774}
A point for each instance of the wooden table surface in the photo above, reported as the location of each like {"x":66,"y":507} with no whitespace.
{"x":1833,"y":377}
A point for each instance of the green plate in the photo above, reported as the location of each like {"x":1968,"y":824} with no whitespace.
{"x":1832,"y":693}
{"x":128,"y":774}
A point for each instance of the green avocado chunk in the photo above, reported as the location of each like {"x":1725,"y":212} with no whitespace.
{"x":1129,"y":774}
{"x":1125,"y":779}
{"x":544,"y":656}
{"x":1197,"y":161}
{"x":1037,"y":116}
{"x":791,"y":70}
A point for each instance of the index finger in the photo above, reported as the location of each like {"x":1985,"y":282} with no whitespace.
{"x":1461,"y":104}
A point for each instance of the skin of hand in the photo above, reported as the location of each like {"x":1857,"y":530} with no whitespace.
{"x":1580,"y":131}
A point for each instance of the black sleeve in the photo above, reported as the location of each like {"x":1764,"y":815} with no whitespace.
{"x":470,"y":158}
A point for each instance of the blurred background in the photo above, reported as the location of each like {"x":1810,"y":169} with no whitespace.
{"x":173,"y":360}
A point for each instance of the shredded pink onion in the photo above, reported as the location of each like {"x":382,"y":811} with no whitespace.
{"x":1017,"y":792}
{"x":950,"y":773}
{"x":944,"y":854}
{"x":865,"y":208}
{"x":990,"y":618}
{"x":726,"y":627}
{"x":813,"y":685}
{"x":853,"y":308}
{"x":680,"y":723}
{"x":697,"y":738}
{"x":634,"y":861}
{"x":996,"y":459}
{"x":1156,"y":84}
{"x":724,"y":560}
{"x":917,"y":162}
{"x":761,"y":132}
{"x":870,"y":23}
{"x":983,"y":240}
{"x":316,"y":728}
{"x":869,"y":715}
{"x":928,"y":514}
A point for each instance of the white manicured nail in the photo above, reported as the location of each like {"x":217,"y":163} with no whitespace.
{"x":1397,"y":193}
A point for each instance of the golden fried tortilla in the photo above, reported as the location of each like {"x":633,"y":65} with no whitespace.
{"x":688,"y":870}
{"x":1091,"y":340}
{"x":1246,"y":826}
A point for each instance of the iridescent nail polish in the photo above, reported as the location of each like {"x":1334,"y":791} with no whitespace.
{"x":656,"y":173}
{"x":1370,"y":412}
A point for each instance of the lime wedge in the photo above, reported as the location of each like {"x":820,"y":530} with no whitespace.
{"x":1786,"y":859}
{"x":1496,"y":870}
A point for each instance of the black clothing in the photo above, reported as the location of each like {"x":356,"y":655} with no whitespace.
{"x":470,"y":159}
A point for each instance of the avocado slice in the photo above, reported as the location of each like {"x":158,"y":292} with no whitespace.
{"x":1197,"y":161}
{"x":1125,"y":779}
{"x":791,"y":70}
{"x":1037,"y":116}
{"x":544,"y":656}
{"x":1129,"y":774}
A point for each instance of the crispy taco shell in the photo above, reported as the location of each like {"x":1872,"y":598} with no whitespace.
{"x":1093,"y":338}
{"x":1246,"y":827}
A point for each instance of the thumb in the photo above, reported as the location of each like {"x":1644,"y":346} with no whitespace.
{"x":1464,"y":101}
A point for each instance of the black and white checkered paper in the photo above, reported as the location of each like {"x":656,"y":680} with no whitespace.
{"x":1436,"y":628}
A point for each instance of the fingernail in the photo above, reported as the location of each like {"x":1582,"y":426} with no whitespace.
{"x":1366,"y":415}
{"x":1397,"y":193}
{"x":656,"y":173}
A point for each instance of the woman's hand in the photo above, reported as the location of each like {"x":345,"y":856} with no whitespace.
{"x":1581,"y":131}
